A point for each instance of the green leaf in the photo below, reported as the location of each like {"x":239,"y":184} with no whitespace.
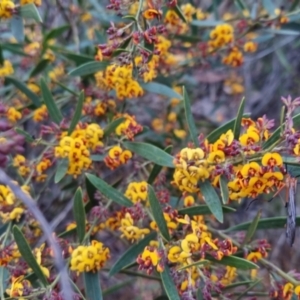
{"x":269,"y":7}
{"x":156,"y":168}
{"x":224,"y":189}
{"x":54,"y":112}
{"x":1,"y":55}
{"x":92,"y":286}
{"x":238,"y":120}
{"x":27,"y":136}
{"x":79,"y":215}
{"x":29,"y":11}
{"x":54,"y":33}
{"x":24,"y":89}
{"x":190,"y":118}
{"x":61,"y":170}
{"x":294,"y":5}
{"x":252,"y":228}
{"x":241,"y":5}
{"x":77,"y":58}
{"x":169,"y":285}
{"x":90,"y":190}
{"x":14,"y":48}
{"x":211,"y":198}
{"x":152,"y":153}
{"x":234,"y":261}
{"x":40,"y":67}
{"x":215,"y":134}
{"x":158,"y":214}
{"x":267,"y":223}
{"x":131,"y":254}
{"x":27,"y":254}
{"x":236,"y":284}
{"x":197,"y":263}
{"x":89,"y":68}
{"x":111,"y":127}
{"x":160,"y":89}
{"x":206,"y":23}
{"x":276,"y":134}
{"x":77,"y":114}
{"x":202,"y":210}
{"x":179,"y":13}
{"x":17,"y":28}
{"x":244,"y":292}
{"x":108,"y":191}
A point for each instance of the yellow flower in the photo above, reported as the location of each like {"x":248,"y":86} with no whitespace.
{"x":7,"y":9}
{"x":40,"y":114}
{"x":190,"y":243}
{"x":131,"y":232}
{"x":250,"y":46}
{"x":7,"y":68}
{"x":137,"y":191}
{"x":221,"y":35}
{"x":272,"y":159}
{"x":234,"y":58}
{"x":254,"y":256}
{"x":18,"y":286}
{"x":188,"y":201}
{"x":151,"y":13}
{"x":288,"y":290}
{"x":89,"y":258}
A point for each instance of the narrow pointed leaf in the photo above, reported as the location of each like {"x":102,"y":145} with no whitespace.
{"x":267,"y":223}
{"x":89,"y":68}
{"x":234,"y":261}
{"x":215,"y":134}
{"x":160,"y":89}
{"x":92,"y":286}
{"x":252,"y":228}
{"x":79,"y":215}
{"x":29,"y":11}
{"x":158,"y":213}
{"x":111,"y":127}
{"x":238,"y":120}
{"x":61,"y":170}
{"x":54,"y":33}
{"x":197,"y":263}
{"x":190,"y":118}
{"x":224,"y":189}
{"x":169,"y":285}
{"x":108,"y":191}
{"x":27,"y":136}
{"x":54,"y":112}
{"x":179,"y":13}
{"x":24,"y":89}
{"x":156,"y":168}
{"x":131,"y":254}
{"x":212,"y":200}
{"x":202,"y":210}
{"x":77,"y":114}
{"x":27,"y":254}
{"x":152,"y":153}
{"x":40,"y":67}
{"x":77,"y":58}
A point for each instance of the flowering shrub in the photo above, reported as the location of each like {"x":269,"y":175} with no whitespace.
{"x":95,"y":117}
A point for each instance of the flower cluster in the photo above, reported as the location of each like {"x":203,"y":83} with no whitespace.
{"x":137,"y":191}
{"x":117,"y":157}
{"x":89,"y":258}
{"x":76,"y":147}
